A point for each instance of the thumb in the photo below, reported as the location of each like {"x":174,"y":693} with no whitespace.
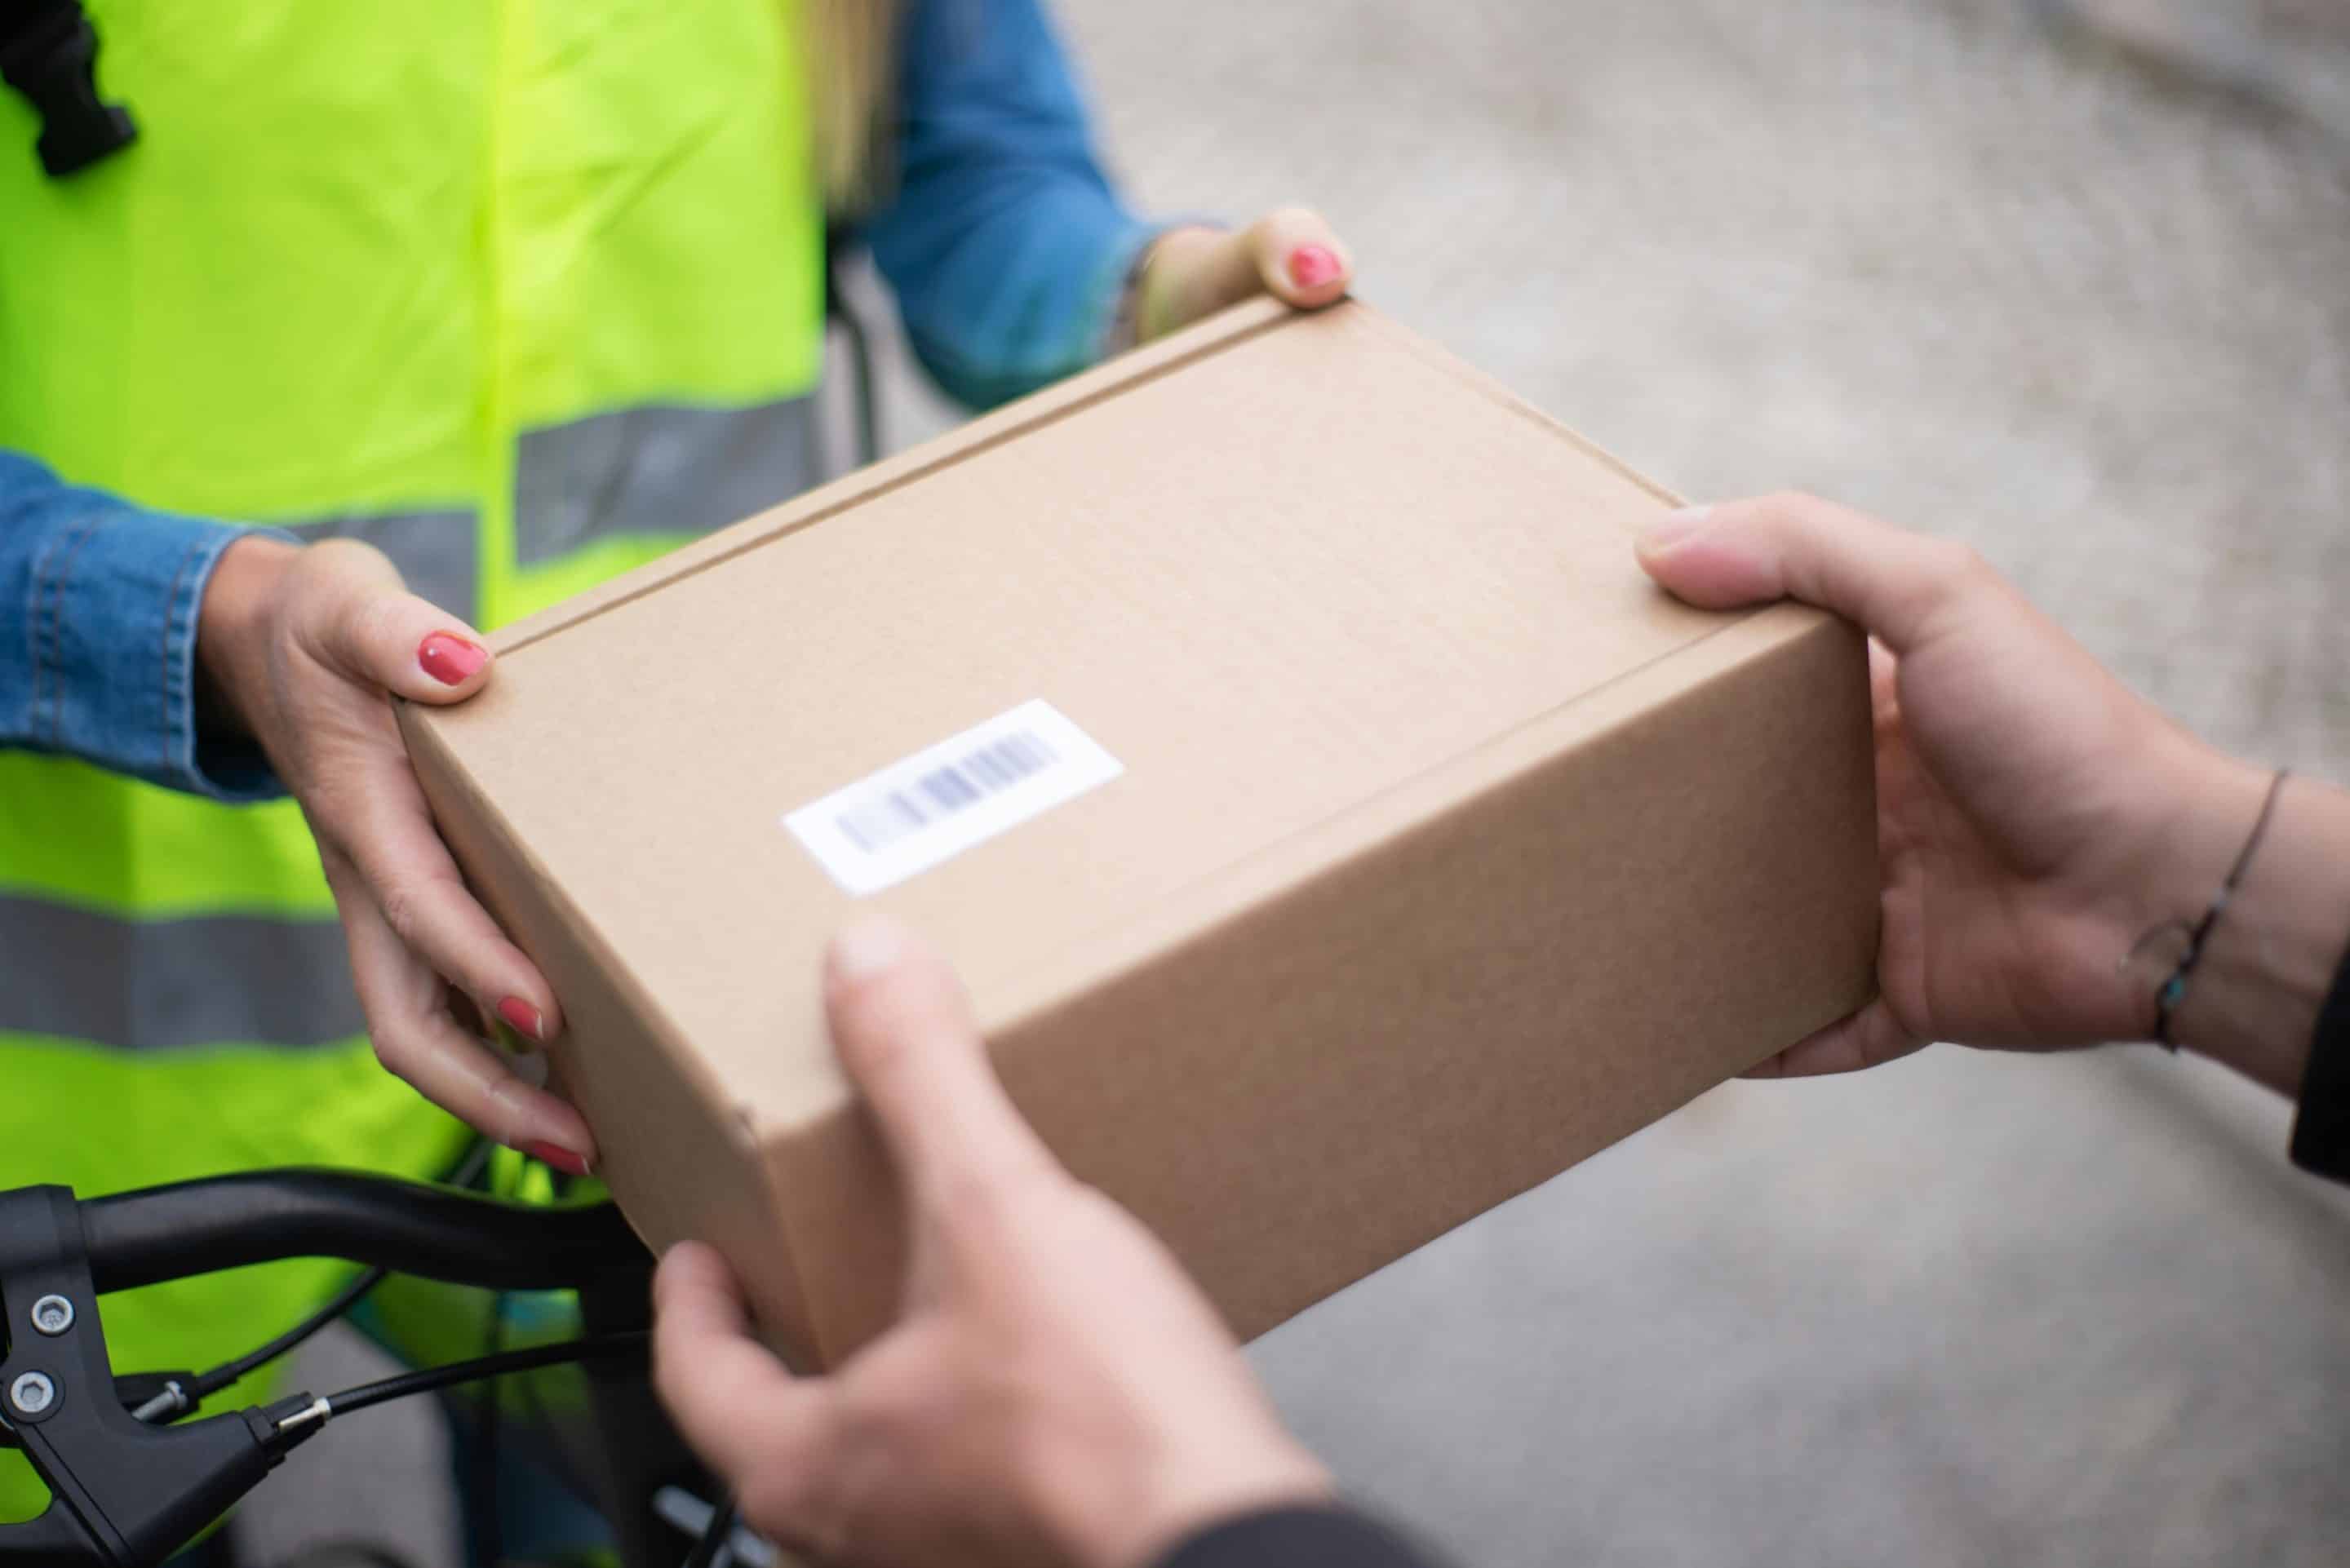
{"x":1892,"y":582}
{"x":1298,"y":257}
{"x":905,"y":1033}
{"x":376,"y":631}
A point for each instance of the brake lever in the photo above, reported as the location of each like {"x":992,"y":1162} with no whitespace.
{"x":122,"y":1493}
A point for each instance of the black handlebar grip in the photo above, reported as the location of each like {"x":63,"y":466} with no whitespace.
{"x":439,"y":1233}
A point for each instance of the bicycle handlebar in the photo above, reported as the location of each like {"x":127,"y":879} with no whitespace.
{"x":259,"y":1217}
{"x":125,"y":1493}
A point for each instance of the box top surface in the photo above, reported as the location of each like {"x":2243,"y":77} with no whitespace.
{"x":1278,"y":568}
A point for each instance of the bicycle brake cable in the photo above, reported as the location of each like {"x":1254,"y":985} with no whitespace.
{"x":178,"y":1399}
{"x":292,"y":1416}
{"x":716,"y":1535}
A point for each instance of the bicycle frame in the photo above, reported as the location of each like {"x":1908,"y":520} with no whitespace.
{"x":127,"y":1494}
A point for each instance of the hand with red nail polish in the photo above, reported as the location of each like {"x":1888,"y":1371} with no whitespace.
{"x":304,"y":650}
{"x":450,"y":658}
{"x":1194,"y":272}
{"x":1311,"y":266}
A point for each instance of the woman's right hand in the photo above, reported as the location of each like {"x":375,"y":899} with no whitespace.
{"x":304,"y":649}
{"x":2036,"y":820}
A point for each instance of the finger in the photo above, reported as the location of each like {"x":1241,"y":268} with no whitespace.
{"x":1868,"y":1038}
{"x":1892,"y":582}
{"x":418,"y":1041}
{"x":1299,"y":257}
{"x":904,"y":1030}
{"x":374,"y":630}
{"x":738,"y":1407}
{"x":379,"y":818}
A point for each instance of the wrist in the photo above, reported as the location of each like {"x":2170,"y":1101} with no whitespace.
{"x":233,"y":629}
{"x":1134,"y":1515}
{"x":2252,"y":999}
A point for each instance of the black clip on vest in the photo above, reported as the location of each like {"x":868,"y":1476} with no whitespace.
{"x":48,"y":52}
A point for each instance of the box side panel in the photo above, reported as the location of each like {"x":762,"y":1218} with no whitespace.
{"x":679,"y":1160}
{"x":840,"y":1202}
{"x":1300,"y":1096}
{"x":1309,"y":1092}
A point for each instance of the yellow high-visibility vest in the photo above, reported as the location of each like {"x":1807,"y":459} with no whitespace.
{"x":524,"y":292}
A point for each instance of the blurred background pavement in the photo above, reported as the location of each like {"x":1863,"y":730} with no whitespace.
{"x":2071,"y":280}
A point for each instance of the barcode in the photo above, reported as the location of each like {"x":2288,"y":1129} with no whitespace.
{"x":928,"y":807}
{"x":943,"y":790}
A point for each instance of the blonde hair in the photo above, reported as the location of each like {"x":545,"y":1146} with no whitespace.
{"x":852,"y":55}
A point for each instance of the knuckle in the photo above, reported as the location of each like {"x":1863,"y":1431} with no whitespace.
{"x":1951,"y":573}
{"x":984,"y":1201}
{"x":375,"y":619}
{"x":409,"y":902}
{"x":396,"y":1051}
{"x":974,"y":1202}
{"x":1791,"y":505}
{"x":401,"y":903}
{"x":1963,"y":564}
{"x":501,"y":1110}
{"x":1954,"y":570}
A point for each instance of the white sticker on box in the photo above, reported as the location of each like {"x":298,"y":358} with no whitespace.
{"x":938,"y":803}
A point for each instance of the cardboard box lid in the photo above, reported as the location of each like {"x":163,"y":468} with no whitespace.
{"x":1322,"y":564}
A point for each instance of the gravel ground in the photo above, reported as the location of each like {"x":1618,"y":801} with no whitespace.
{"x":2076,"y":300}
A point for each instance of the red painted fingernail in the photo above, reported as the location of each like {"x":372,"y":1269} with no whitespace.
{"x":451,"y":660}
{"x":555,"y":1155}
{"x":523,"y":1018}
{"x":1311,"y":266}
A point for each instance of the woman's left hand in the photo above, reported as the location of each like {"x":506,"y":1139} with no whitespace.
{"x":1290,"y":253}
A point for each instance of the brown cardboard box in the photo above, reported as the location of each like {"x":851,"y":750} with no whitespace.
{"x":1441,"y":850}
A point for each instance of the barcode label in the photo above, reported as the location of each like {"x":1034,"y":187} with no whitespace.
{"x":939,"y":802}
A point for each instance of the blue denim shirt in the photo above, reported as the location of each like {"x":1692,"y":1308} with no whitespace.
{"x":1003,"y":241}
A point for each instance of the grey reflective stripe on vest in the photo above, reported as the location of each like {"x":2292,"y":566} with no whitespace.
{"x":657,"y":470}
{"x":215,"y":980}
{"x":438,"y":552}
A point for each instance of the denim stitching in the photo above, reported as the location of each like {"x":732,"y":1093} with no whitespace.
{"x":178,"y":714}
{"x":36,"y":598}
{"x":55,"y":589}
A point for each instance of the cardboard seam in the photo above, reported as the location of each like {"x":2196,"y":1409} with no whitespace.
{"x":1467,"y":800}
{"x":1274,"y":908}
{"x":1436,"y":358}
{"x":1236,"y":325}
{"x":1015,"y":978}
{"x":452,"y":769}
{"x":701,"y":1081}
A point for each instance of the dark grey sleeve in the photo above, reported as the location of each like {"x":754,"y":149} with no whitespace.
{"x":2321,"y":1133}
{"x":1298,"y":1538}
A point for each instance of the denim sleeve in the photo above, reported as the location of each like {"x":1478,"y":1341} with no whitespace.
{"x":98,"y":635}
{"x":1004,"y":243}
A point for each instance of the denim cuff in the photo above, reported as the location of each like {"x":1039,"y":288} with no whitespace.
{"x":115,"y":597}
{"x":1074,"y":249}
